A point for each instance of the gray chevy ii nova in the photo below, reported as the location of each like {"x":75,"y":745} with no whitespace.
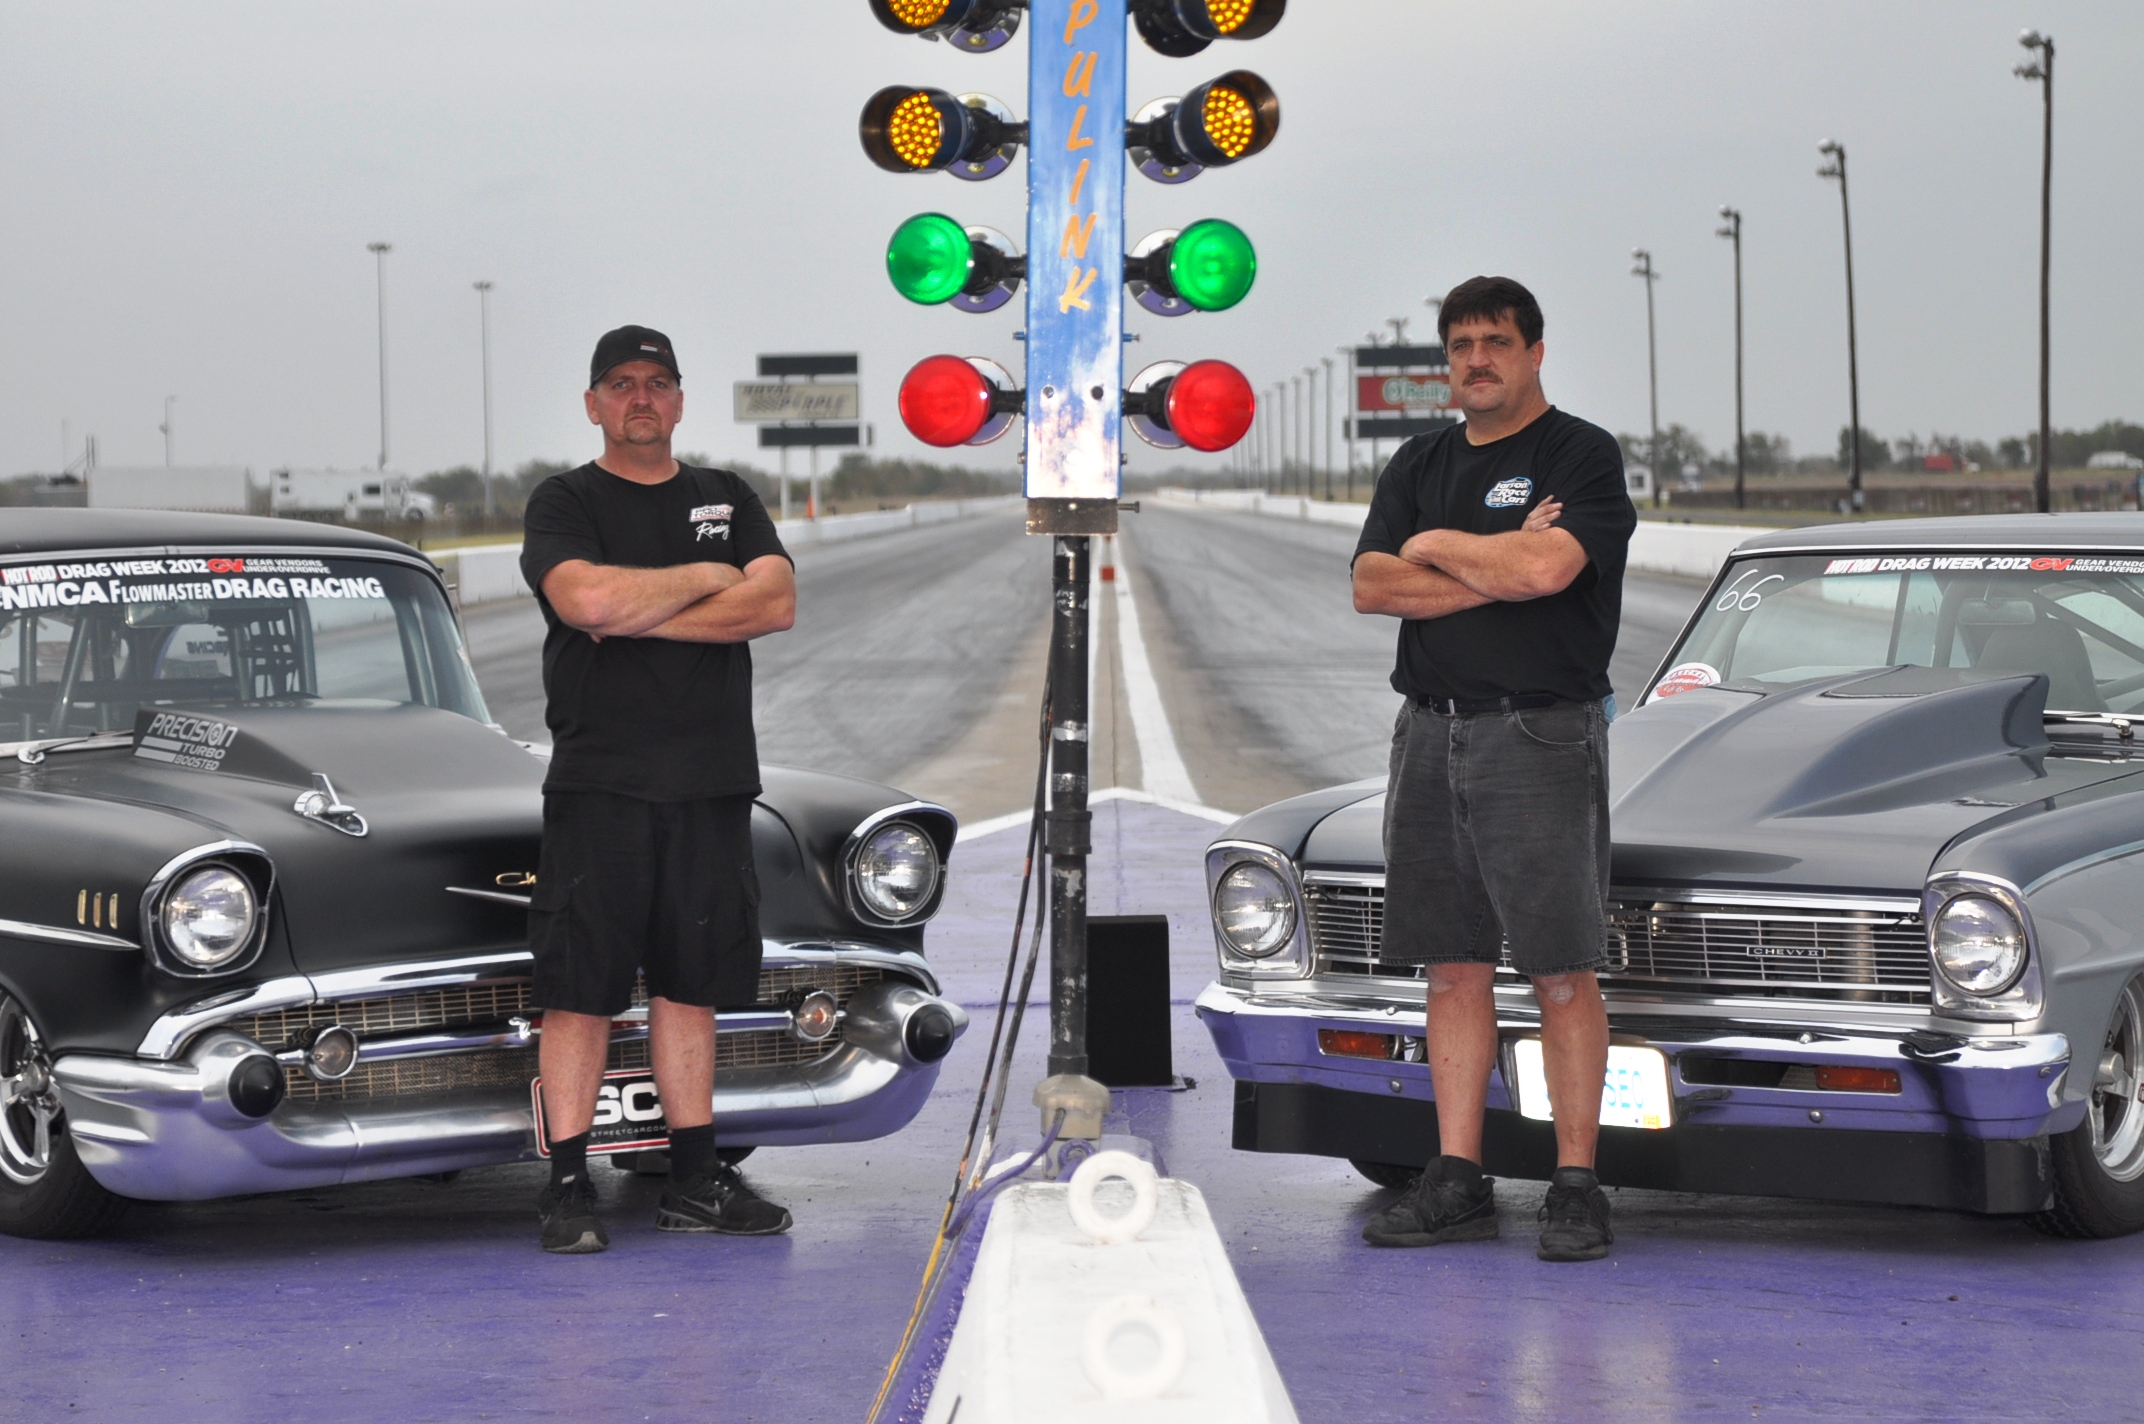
{"x":1877,"y":920}
{"x":264,"y":895}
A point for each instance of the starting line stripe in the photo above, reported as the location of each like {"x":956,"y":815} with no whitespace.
{"x":976,"y":830}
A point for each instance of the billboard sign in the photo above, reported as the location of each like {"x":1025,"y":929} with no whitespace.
{"x":767,"y":401}
{"x":1403,"y":393}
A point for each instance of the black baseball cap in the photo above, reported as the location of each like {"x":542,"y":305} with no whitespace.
{"x":631,"y":343}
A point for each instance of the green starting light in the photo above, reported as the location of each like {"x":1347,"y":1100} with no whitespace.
{"x":1211,"y":265}
{"x":930,"y":257}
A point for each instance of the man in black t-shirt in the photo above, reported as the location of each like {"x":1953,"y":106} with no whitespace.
{"x":653,"y":576}
{"x":1500,"y":543}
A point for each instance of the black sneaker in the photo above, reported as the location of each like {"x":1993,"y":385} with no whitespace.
{"x":1439,"y":1207}
{"x":1574,"y":1217}
{"x":568,"y":1211}
{"x":719,"y":1201}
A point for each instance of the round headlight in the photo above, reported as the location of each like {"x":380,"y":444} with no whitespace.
{"x":208,"y":917}
{"x":896,"y":871}
{"x":1979,"y":945}
{"x":1254,"y":910}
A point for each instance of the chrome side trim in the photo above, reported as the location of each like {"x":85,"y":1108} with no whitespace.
{"x":152,"y":942}
{"x":501,"y":896}
{"x":1885,"y":904}
{"x":379,"y":979}
{"x":162,"y":1040}
{"x":875,"y":821}
{"x":59,"y":934}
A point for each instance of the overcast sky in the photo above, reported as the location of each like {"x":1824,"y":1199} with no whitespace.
{"x":188,"y":191}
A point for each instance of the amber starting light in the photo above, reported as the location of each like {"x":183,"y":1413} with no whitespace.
{"x":1231,"y":122}
{"x":1354,"y":1043}
{"x":916,"y":14}
{"x":1839,"y":1078}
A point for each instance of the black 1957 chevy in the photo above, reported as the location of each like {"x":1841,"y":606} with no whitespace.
{"x":266,"y":872}
{"x":1877,"y":920}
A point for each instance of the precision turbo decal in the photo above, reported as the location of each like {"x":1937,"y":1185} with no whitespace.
{"x":195,"y":743}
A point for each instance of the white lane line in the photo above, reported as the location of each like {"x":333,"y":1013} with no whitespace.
{"x":1161,"y":766}
{"x":976,"y":830}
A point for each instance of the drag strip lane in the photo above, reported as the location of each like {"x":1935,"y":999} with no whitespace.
{"x":1274,"y":684}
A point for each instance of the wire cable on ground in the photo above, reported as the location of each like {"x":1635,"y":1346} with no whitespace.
{"x":997,"y":1068}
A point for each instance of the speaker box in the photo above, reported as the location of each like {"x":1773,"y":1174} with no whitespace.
{"x":1128,"y":1043}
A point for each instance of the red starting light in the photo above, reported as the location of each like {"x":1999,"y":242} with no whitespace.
{"x":1210,"y":405}
{"x":947,"y":401}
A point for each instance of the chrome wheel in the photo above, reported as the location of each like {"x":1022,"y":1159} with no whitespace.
{"x":29,"y":1105}
{"x":2114,"y":1113}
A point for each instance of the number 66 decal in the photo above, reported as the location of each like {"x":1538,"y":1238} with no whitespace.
{"x":1743,"y":600}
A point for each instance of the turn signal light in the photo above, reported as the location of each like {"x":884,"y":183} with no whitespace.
{"x":932,"y":259}
{"x":1223,"y":121}
{"x":910,"y":130}
{"x":947,"y":401}
{"x":1354,"y":1043}
{"x":1838,"y":1078}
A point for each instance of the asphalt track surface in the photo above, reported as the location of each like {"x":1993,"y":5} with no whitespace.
{"x":917,"y":661}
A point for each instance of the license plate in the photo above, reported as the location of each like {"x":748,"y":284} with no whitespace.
{"x":1636,"y":1092}
{"x":629,"y":1114}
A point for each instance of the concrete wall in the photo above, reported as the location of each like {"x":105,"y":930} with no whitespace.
{"x":487,"y":573}
{"x":1695,"y":550}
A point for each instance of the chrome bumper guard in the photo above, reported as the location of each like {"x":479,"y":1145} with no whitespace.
{"x":174,"y":1130}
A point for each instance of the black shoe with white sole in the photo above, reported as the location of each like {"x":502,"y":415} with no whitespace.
{"x":719,"y":1201}
{"x":568,"y":1212}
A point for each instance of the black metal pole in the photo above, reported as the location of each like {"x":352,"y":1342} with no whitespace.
{"x":1070,"y":823}
{"x":1733,"y":230}
{"x":2043,"y":495}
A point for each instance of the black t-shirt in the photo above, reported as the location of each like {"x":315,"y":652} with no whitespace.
{"x":654,"y":718}
{"x":1559,"y":644}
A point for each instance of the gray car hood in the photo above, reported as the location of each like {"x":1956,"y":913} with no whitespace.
{"x":1850,"y":784}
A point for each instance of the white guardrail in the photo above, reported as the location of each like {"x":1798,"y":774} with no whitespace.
{"x":488,"y":573}
{"x":1694,"y":550}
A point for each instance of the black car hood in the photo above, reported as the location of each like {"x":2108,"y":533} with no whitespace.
{"x":447,"y":802}
{"x":1850,"y":784}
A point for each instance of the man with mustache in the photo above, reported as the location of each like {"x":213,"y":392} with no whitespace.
{"x":1500,"y":543}
{"x":653,"y":577}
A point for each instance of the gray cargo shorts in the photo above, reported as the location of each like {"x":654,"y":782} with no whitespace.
{"x":1496,"y":833}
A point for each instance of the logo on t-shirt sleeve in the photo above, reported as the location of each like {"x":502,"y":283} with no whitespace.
{"x":711,"y":521}
{"x":1509,"y":494}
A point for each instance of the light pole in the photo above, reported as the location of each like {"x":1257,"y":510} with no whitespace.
{"x":1327,"y":363}
{"x":1733,"y":230}
{"x":2042,"y":68}
{"x":1836,"y":168}
{"x":483,"y":323}
{"x":1306,"y":424}
{"x":1644,"y":269}
{"x":1349,"y":421}
{"x":169,"y":401}
{"x":379,"y":251}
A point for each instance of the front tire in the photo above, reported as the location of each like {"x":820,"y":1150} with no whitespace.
{"x":45,"y":1191}
{"x":2099,"y":1166}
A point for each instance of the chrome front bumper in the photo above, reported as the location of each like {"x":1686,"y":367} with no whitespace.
{"x":1991,"y":1086}
{"x":169,"y":1130}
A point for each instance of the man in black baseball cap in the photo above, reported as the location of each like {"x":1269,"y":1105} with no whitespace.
{"x":653,"y":577}
{"x":632,"y":343}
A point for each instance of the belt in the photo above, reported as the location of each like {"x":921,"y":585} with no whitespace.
{"x":1475,"y":706}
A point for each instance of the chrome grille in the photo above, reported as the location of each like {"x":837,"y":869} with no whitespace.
{"x":1807,"y":951}
{"x":493,"y":1003}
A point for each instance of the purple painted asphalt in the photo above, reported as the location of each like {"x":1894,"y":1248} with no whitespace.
{"x":412,"y":1301}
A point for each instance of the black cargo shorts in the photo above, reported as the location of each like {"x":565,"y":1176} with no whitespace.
{"x":661,"y":887}
{"x":1496,"y":831}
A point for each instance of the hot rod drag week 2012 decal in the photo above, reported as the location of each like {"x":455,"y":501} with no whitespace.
{"x":1986,"y":563}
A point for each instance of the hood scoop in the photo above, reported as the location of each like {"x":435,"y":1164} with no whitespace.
{"x":1866,"y":743}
